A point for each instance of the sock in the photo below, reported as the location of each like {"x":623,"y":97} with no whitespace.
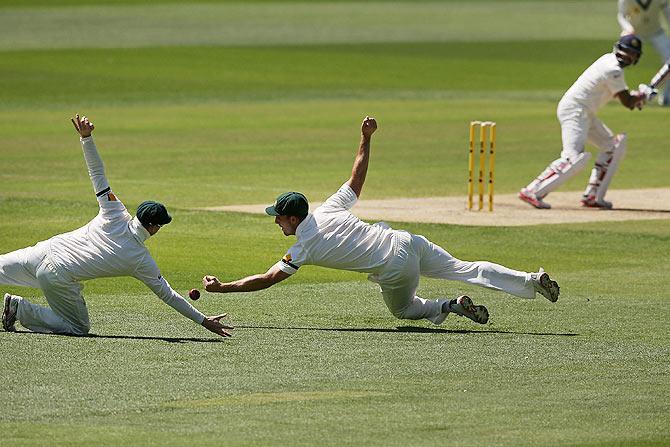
{"x":447,"y":306}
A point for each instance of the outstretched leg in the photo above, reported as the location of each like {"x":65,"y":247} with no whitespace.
{"x":438,"y":263}
{"x":18,"y":268}
{"x":67,"y":312}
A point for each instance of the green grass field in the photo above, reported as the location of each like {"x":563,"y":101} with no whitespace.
{"x":222,"y":103}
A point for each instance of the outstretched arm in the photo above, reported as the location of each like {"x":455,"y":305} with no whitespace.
{"x":248,"y":284}
{"x":96,"y":169}
{"x":360,"y":169}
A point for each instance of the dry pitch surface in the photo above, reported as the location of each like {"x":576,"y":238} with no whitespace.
{"x":629,"y":204}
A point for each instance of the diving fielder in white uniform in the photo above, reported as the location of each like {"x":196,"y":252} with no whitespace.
{"x":601,"y":82}
{"x":112,"y":244}
{"x":333,"y":237}
{"x":643,"y":18}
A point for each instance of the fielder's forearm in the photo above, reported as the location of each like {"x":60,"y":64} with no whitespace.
{"x":96,"y":169}
{"x":360,"y":168}
{"x":248,"y":284}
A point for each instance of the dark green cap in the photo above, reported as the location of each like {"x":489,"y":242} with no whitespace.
{"x":289,"y":204}
{"x":153,"y":213}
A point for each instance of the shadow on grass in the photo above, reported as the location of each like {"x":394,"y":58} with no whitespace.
{"x":134,"y":337}
{"x":635,"y":210}
{"x":403,"y":329}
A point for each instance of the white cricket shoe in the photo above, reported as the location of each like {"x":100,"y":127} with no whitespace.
{"x":9,"y":309}
{"x":545,"y":286}
{"x":531,"y":198}
{"x":464,"y":307}
{"x":591,"y":202}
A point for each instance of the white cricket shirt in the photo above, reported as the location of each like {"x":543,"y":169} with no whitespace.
{"x":112,"y":244}
{"x":597,"y":85}
{"x":333,"y":237}
{"x":642,"y":17}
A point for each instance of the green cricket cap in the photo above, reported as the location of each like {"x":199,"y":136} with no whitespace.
{"x":289,"y":204}
{"x":153,"y":213}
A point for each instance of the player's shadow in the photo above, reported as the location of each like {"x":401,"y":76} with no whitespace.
{"x":167,"y":339}
{"x":640,"y":210}
{"x":135,"y":337}
{"x":404,"y":329}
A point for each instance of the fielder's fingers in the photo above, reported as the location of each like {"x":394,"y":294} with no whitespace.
{"x":225,"y":334}
{"x":218,"y":317}
{"x":74,"y":123}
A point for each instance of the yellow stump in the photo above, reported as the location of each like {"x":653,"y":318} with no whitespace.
{"x":487,"y":138}
{"x":471,"y":163}
{"x":492,"y":162}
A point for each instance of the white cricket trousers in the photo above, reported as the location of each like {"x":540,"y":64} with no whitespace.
{"x":32,"y":267}
{"x":578,"y":126}
{"x":415,"y":255}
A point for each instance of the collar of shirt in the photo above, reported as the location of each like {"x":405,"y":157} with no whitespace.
{"x":307,"y":228}
{"x":137,"y":229}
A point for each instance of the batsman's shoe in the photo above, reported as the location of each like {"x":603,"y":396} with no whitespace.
{"x":532,"y":199}
{"x":591,"y":202}
{"x":464,"y":307}
{"x":9,"y":309}
{"x":545,"y":286}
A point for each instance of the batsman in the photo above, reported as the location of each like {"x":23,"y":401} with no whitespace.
{"x":600,"y":82}
{"x":331,"y":236}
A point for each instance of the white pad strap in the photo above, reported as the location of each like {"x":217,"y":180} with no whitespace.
{"x":558,"y":172}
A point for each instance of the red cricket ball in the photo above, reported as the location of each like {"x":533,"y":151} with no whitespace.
{"x":194,"y":294}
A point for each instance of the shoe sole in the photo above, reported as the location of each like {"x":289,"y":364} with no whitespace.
{"x":550,"y":286}
{"x":478,"y":314}
{"x":596,"y":206}
{"x":534,"y":203}
{"x":9,"y":327}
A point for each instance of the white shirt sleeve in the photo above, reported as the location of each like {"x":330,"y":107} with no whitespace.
{"x":150,"y":275}
{"x":110,"y":206}
{"x":96,"y":169}
{"x":294,"y":258}
{"x":615,"y":81}
{"x":343,"y":199}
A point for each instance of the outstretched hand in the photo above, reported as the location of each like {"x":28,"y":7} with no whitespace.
{"x":211,"y":283}
{"x":214,"y":324}
{"x":368,"y":127}
{"x":83,"y":126}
